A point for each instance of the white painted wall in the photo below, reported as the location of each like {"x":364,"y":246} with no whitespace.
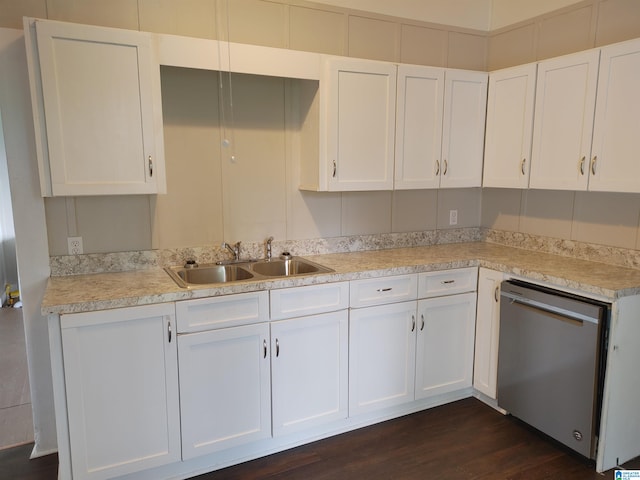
{"x":30,"y":229}
{"x":476,"y":14}
{"x":508,"y":12}
{"x":473,"y":14}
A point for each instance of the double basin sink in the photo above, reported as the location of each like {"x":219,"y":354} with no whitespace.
{"x":190,"y":275}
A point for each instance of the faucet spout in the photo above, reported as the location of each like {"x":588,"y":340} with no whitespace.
{"x":268,"y":246}
{"x":235,"y":249}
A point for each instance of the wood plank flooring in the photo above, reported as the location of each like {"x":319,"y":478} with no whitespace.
{"x":462,"y":440}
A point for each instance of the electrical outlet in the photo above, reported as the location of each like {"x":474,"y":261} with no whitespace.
{"x":74,"y":245}
{"x":453,"y":217}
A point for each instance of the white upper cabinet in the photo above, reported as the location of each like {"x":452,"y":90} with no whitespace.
{"x":420,"y":103}
{"x":440,"y":127}
{"x":465,"y":106}
{"x":563,"y":123}
{"x":507,"y":154}
{"x":359,"y":126}
{"x":97,"y":109}
{"x":385,"y":127}
{"x":616,"y":135}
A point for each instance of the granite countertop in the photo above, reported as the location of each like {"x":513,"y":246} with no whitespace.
{"x":81,"y":293}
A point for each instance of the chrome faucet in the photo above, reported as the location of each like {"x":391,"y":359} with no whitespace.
{"x":233,"y":249}
{"x":268,"y":241}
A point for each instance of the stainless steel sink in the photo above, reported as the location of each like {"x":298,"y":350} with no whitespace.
{"x":287,"y":268}
{"x":186,"y":276}
{"x":206,"y":274}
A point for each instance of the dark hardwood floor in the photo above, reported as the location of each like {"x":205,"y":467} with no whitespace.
{"x":462,"y":440}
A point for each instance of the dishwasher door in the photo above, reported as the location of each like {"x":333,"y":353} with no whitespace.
{"x":549,"y":372}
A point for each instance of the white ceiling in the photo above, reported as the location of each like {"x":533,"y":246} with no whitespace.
{"x":476,"y":14}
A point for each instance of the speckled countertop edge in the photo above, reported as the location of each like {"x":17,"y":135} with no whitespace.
{"x":89,"y":292}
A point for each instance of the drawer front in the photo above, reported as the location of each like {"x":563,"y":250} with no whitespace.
{"x":377,"y":291}
{"x":309,"y":300}
{"x":447,"y":282}
{"x":221,"y":312}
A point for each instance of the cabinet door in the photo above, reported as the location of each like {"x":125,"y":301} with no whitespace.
{"x":485,"y":369}
{"x":444,"y":357}
{"x":309,"y":362}
{"x":563,"y":123}
{"x":420,"y":102}
{"x":101,"y":130}
{"x":360,"y":124}
{"x":382,"y":346}
{"x":465,"y":106}
{"x":121,"y":378}
{"x":507,"y":154}
{"x":616,"y":136}
{"x":225,"y":388}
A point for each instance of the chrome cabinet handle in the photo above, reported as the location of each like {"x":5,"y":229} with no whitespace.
{"x":437,"y":167}
{"x":522,"y":164}
{"x":594,"y":160}
{"x":264,"y":349}
{"x":335,"y":168}
{"x":447,"y":282}
{"x":496,"y":295}
{"x":422,"y":324}
{"x":581,"y":165}
{"x":277,"y":348}
{"x":169,"y":332}
{"x":446,"y":167}
{"x":388,"y":289}
{"x":150,"y":166}
{"x":413,"y":323}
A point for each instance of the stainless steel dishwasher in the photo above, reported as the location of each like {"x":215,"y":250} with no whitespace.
{"x":551,"y":359}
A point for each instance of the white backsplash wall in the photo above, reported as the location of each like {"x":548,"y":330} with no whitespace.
{"x":610,"y":219}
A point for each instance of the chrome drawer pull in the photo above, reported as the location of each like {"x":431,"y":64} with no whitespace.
{"x":264,"y":346}
{"x":447,"y":282}
{"x":388,"y":289}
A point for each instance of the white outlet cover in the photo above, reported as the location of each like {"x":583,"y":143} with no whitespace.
{"x":74,"y":245}
{"x":453,"y":217}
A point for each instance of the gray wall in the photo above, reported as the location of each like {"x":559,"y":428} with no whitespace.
{"x":8,"y":264}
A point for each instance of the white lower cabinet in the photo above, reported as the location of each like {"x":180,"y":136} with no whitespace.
{"x":485,"y":372}
{"x":445,"y":334}
{"x":225,"y":391}
{"x":382,"y":347}
{"x":410,"y":350}
{"x":244,"y":379}
{"x":121,"y":385}
{"x":309,"y":362}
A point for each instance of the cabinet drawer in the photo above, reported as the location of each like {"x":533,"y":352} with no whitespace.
{"x":376,"y":291}
{"x":447,"y":282}
{"x":309,"y":300}
{"x":220,"y":312}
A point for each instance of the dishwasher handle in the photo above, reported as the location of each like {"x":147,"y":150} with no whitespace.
{"x":552,"y":310}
